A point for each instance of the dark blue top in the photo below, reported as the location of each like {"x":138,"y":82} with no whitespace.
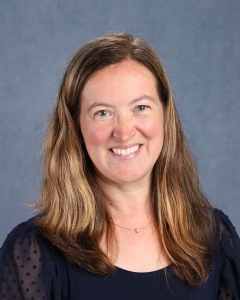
{"x":32,"y":268}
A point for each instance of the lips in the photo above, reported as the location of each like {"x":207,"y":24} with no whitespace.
{"x":125,"y":151}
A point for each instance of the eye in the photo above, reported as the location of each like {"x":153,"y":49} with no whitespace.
{"x":102,"y":113}
{"x":141,"y":107}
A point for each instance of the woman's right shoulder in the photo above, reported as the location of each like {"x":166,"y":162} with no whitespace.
{"x":25,"y":259}
{"x":21,"y":232}
{"x":22,"y":238}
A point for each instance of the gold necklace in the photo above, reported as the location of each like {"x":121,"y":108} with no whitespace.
{"x":135,"y":229}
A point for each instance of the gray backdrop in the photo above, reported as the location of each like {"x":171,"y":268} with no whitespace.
{"x":199,"y":42}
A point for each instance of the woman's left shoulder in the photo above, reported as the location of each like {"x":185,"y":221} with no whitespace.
{"x":228,"y":237}
{"x":229,"y":247}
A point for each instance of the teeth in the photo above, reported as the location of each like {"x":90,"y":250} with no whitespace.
{"x":125,"y":152}
{"x":128,"y":151}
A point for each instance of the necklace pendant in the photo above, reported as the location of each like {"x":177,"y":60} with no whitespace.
{"x":137,"y":230}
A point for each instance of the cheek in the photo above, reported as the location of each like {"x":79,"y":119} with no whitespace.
{"x":154,"y":129}
{"x":92,"y":141}
{"x":94,"y":136}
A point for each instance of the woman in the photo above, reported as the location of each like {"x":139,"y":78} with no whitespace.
{"x":121,"y":213}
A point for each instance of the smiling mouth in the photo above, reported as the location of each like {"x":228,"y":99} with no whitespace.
{"x":126,"y":151}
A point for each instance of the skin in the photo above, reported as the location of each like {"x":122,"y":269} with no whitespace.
{"x":121,"y":109}
{"x":122,"y":123}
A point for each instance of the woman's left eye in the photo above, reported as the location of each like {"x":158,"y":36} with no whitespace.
{"x":141,"y":107}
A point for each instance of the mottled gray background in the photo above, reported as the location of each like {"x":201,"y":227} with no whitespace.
{"x":199,"y":42}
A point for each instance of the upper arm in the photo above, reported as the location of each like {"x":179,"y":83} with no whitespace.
{"x":230,"y":256}
{"x":26,"y":271}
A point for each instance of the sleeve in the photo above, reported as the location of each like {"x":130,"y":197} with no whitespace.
{"x":230,"y":257}
{"x":26,"y":265}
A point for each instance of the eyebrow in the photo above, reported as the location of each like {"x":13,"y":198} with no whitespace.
{"x":95,"y":104}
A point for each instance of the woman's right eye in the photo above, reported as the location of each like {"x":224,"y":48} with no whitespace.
{"x":102,"y":113}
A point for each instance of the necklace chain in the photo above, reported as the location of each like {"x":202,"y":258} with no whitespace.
{"x":137,"y":229}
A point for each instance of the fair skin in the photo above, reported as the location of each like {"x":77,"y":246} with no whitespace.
{"x":121,"y":121}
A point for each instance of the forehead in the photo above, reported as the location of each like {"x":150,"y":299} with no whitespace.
{"x":125,"y":76}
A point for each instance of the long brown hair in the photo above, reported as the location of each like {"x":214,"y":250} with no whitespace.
{"x":72,"y":211}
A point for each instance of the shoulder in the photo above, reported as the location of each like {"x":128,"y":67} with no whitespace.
{"x":21,"y":233}
{"x":229,"y":248}
{"x":24,"y":240}
{"x":25,"y":244}
{"x":228,"y":238}
{"x":26,"y":263}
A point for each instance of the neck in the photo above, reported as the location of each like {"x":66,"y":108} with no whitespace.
{"x":128,"y":203}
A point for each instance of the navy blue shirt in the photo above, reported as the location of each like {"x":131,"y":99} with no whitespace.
{"x":32,"y":268}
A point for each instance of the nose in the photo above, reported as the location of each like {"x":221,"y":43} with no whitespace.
{"x":124,"y":128}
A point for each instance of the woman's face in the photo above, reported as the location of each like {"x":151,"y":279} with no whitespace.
{"x":121,"y":122}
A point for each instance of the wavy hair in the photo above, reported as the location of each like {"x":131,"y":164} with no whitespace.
{"x":72,"y":210}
